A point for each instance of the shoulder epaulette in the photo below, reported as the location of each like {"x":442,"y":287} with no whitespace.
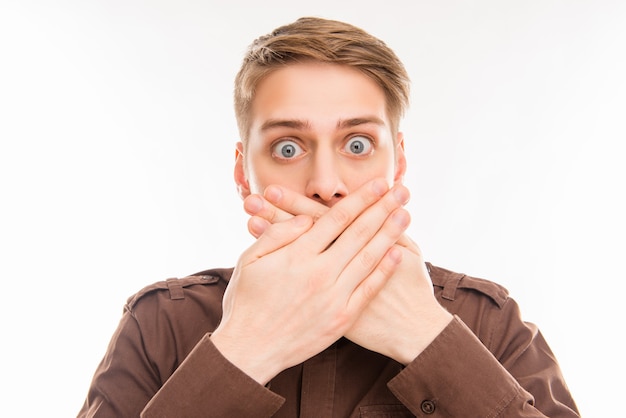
{"x":451,"y":281}
{"x":175,"y":286}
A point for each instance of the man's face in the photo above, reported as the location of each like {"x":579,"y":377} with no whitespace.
{"x":320,"y":130}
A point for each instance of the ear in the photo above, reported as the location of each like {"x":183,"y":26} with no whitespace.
{"x":400,"y":159}
{"x":243,"y":187}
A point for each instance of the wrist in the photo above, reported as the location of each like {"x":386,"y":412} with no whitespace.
{"x":422,"y":336}
{"x":250,"y":361}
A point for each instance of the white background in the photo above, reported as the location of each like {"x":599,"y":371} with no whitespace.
{"x":117,"y":137}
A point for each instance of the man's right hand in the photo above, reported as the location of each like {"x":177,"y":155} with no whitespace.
{"x":404,"y":317}
{"x":303,"y":284}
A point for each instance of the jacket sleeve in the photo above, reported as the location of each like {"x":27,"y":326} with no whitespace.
{"x":458,"y":375}
{"x":207,"y":384}
{"x":124,"y":380}
{"x":148,"y":372}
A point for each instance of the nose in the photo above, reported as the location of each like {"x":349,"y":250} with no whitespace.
{"x":325,"y":183}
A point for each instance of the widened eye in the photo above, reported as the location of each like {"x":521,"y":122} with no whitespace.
{"x":358,"y":145}
{"x":287,"y":149}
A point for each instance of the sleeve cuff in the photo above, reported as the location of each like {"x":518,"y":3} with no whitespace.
{"x":207,"y":384}
{"x":455,"y":375}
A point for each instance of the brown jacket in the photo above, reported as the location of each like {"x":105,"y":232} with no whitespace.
{"x":486,"y":363}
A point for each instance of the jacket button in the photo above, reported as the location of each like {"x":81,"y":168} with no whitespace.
{"x":428,"y":407}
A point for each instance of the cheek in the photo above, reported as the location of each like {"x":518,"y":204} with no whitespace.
{"x":383,"y":169}
{"x":360,"y":173}
{"x":384,"y":165}
{"x":359,"y":177}
{"x":263,"y":174}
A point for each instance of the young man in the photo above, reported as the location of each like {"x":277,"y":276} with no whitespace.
{"x":332,"y":312}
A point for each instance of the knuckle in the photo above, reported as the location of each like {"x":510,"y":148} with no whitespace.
{"x":342,"y":321}
{"x":340,"y":215}
{"x":368,"y":198}
{"x":368,"y":260}
{"x":273,"y":232}
{"x":369,"y":292}
{"x":361,"y":231}
{"x":387,"y":266}
{"x":318,"y":214}
{"x":272,"y":214}
{"x":390,"y":203}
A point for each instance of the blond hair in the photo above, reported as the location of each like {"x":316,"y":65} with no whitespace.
{"x":327,"y":41}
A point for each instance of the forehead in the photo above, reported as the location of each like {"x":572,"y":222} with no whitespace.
{"x":319,"y":93}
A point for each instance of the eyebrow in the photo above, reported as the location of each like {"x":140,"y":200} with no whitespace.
{"x":304,"y":125}
{"x":350,"y":123}
{"x":298,"y":124}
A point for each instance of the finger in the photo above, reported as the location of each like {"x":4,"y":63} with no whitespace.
{"x":368,"y":288}
{"x":370,"y":221}
{"x":277,"y":236}
{"x":406,"y":242}
{"x":329,"y":226}
{"x":257,"y":226}
{"x":256,"y":205}
{"x":292,"y":202}
{"x":369,"y":257}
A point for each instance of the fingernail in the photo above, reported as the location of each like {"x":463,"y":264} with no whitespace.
{"x":253,"y":204}
{"x":273,"y":194}
{"x":401,"y":217}
{"x":257,"y":226}
{"x":401,"y":194}
{"x":380,"y":187}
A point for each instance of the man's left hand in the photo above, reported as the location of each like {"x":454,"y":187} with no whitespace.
{"x":404,"y":317}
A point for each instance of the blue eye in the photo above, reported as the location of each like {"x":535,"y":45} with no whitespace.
{"x":286,"y":149}
{"x":358,"y":145}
